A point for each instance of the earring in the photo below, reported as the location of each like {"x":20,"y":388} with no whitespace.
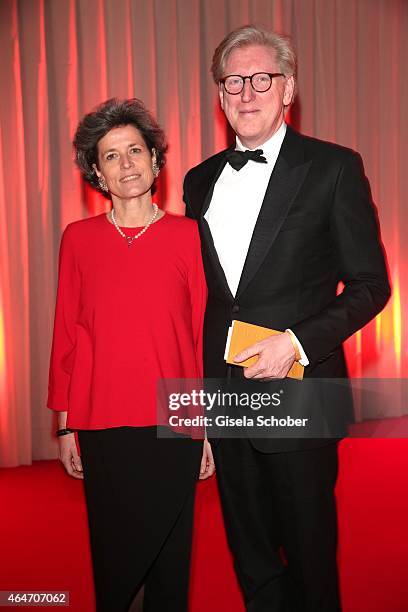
{"x":156,"y":170}
{"x":102,"y":183}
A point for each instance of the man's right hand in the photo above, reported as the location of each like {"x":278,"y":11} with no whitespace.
{"x":276,"y":355}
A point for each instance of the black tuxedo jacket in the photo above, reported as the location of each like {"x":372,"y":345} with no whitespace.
{"x":317,"y":226}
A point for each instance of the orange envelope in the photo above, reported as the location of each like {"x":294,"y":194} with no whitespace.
{"x":242,"y":335}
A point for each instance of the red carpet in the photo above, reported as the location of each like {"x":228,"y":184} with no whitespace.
{"x":44,"y":540}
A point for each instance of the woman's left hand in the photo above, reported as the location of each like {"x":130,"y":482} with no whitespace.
{"x":207,"y":467}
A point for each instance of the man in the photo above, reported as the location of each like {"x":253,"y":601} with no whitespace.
{"x":277,"y":238}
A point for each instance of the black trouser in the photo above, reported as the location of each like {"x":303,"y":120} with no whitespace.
{"x":281,"y":502}
{"x":140,"y":499}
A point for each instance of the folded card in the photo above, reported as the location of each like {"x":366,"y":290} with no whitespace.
{"x":242,"y":335}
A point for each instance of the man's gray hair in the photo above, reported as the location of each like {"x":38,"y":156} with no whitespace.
{"x":253,"y":35}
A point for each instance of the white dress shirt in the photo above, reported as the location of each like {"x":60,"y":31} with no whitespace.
{"x":234,"y":209}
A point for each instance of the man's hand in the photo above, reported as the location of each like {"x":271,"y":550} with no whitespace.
{"x":207,"y":467}
{"x":276,"y":357}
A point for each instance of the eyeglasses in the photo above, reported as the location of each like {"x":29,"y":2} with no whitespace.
{"x":260,"y":82}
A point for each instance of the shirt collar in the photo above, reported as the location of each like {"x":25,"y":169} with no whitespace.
{"x":271,"y":146}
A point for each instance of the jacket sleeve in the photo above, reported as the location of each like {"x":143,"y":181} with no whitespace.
{"x":189,"y":211}
{"x":361,"y":263}
{"x":198,"y":294}
{"x":66,"y":315}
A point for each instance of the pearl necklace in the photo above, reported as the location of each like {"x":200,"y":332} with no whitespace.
{"x":131,"y":239}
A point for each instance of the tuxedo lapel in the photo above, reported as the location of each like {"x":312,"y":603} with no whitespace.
{"x":287,"y":177}
{"x":212,"y":179}
{"x":206,"y":232}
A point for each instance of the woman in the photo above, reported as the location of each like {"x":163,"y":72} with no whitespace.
{"x":130,"y":308}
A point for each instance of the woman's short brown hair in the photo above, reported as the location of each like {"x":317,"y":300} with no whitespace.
{"x":112,"y":114}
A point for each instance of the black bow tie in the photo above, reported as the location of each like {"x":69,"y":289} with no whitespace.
{"x":238,"y":159}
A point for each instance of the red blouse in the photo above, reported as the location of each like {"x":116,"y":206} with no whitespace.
{"x":125,"y":317}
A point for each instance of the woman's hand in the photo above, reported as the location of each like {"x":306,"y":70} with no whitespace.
{"x":207,"y":467}
{"x":69,"y":457}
